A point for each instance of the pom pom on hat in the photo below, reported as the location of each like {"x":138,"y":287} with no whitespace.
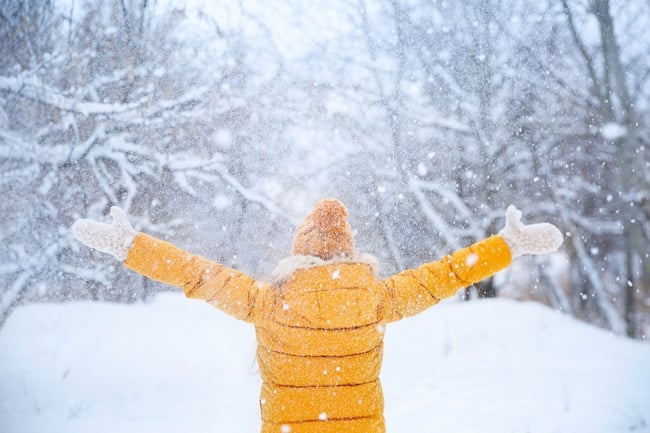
{"x":325,"y":232}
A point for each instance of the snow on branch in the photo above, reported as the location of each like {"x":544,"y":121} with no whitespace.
{"x":87,"y":273}
{"x":611,"y":315}
{"x":13,"y":295}
{"x":185,"y":166}
{"x":32,"y":88}
{"x":445,"y":194}
{"x":254,"y":196}
{"x":82,"y":149}
{"x":167,"y":105}
{"x":13,"y":145}
{"x":189,"y":96}
{"x":597,"y":226}
{"x":433,"y":216}
{"x":166,"y":228}
{"x":450,"y":197}
{"x":28,"y":265}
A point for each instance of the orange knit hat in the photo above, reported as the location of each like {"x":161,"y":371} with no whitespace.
{"x":325,"y":232}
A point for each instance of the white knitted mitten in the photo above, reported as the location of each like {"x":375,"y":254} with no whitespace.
{"x":529,"y":239}
{"x":114,"y":238}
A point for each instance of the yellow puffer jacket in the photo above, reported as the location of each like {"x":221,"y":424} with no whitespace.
{"x":320,"y":330}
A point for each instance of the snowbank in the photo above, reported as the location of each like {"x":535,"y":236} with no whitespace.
{"x":178,"y":365}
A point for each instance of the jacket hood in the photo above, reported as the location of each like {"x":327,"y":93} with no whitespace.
{"x":287,"y":266}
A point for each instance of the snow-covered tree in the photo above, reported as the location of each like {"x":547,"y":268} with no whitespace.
{"x":425,"y":118}
{"x":124,"y":112}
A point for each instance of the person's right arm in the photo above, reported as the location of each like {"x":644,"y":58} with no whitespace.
{"x":230,"y":290}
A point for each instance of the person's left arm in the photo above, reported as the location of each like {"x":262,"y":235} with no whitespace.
{"x":414,"y":290}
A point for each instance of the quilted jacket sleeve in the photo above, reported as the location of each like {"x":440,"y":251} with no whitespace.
{"x":415,"y":290}
{"x":231,"y":291}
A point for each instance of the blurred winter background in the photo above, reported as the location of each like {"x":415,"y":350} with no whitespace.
{"x":216,"y":125}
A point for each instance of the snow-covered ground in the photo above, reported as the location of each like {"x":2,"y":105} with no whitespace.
{"x":175,"y":365}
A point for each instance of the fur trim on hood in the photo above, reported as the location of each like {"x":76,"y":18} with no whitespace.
{"x":287,"y":266}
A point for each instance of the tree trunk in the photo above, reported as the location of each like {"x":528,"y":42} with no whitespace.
{"x":630,"y":172}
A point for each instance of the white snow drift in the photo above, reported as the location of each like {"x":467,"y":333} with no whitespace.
{"x":175,"y":365}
